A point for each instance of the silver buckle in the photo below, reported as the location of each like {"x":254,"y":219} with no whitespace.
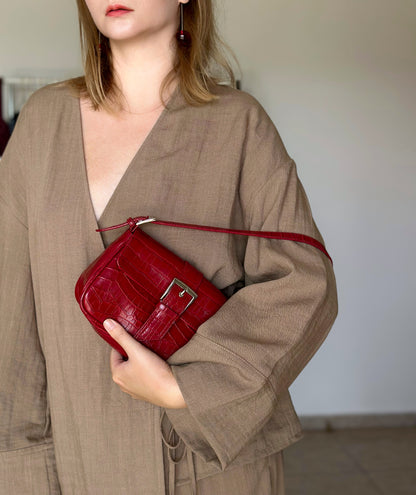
{"x":185,"y":288}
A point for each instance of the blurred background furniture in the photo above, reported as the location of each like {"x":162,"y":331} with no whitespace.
{"x":14,"y":91}
{"x":4,"y":128}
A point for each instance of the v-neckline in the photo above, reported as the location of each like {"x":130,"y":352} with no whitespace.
{"x":140,"y":151}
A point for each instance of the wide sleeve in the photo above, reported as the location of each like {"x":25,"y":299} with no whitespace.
{"x":234,"y":368}
{"x":27,"y":460}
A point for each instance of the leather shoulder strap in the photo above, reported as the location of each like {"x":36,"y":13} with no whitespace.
{"x":133,"y":223}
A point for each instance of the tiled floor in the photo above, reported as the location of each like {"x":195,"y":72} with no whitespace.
{"x":352,"y":462}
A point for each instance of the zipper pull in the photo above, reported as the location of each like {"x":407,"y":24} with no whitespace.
{"x":144,"y":220}
{"x":132,"y":222}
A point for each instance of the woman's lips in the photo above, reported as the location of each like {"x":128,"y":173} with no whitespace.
{"x":116,"y":13}
{"x":117,"y":10}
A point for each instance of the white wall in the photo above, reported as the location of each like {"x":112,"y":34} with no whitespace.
{"x":338,"y":78}
{"x":39,"y":38}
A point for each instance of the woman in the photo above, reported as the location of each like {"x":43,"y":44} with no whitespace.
{"x":148,"y":131}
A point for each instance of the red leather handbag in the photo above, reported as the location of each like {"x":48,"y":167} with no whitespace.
{"x":158,"y":297}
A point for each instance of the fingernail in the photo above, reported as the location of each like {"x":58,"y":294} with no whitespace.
{"x":109,"y":325}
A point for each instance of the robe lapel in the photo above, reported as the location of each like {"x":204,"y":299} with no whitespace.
{"x":82,"y":219}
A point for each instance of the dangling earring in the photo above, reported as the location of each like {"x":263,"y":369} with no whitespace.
{"x":183,"y":36}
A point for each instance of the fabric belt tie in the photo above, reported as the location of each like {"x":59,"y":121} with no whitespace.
{"x":172,"y":445}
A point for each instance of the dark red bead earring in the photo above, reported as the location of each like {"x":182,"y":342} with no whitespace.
{"x":183,"y":36}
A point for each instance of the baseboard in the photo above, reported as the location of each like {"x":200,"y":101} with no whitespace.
{"x":339,"y":422}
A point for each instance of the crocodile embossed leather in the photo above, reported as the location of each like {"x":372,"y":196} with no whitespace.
{"x":158,"y":297}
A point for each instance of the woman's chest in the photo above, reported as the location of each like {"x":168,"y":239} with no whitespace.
{"x":110,"y":145}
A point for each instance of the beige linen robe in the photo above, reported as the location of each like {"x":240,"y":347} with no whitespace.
{"x":65,"y":426}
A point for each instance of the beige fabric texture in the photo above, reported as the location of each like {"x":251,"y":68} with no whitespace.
{"x":65,"y":426}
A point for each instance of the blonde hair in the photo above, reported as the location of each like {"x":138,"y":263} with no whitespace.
{"x":197,"y":65}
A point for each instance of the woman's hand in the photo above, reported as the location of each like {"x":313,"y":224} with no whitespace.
{"x":145,"y":375}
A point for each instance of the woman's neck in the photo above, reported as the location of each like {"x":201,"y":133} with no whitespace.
{"x":139,"y":71}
